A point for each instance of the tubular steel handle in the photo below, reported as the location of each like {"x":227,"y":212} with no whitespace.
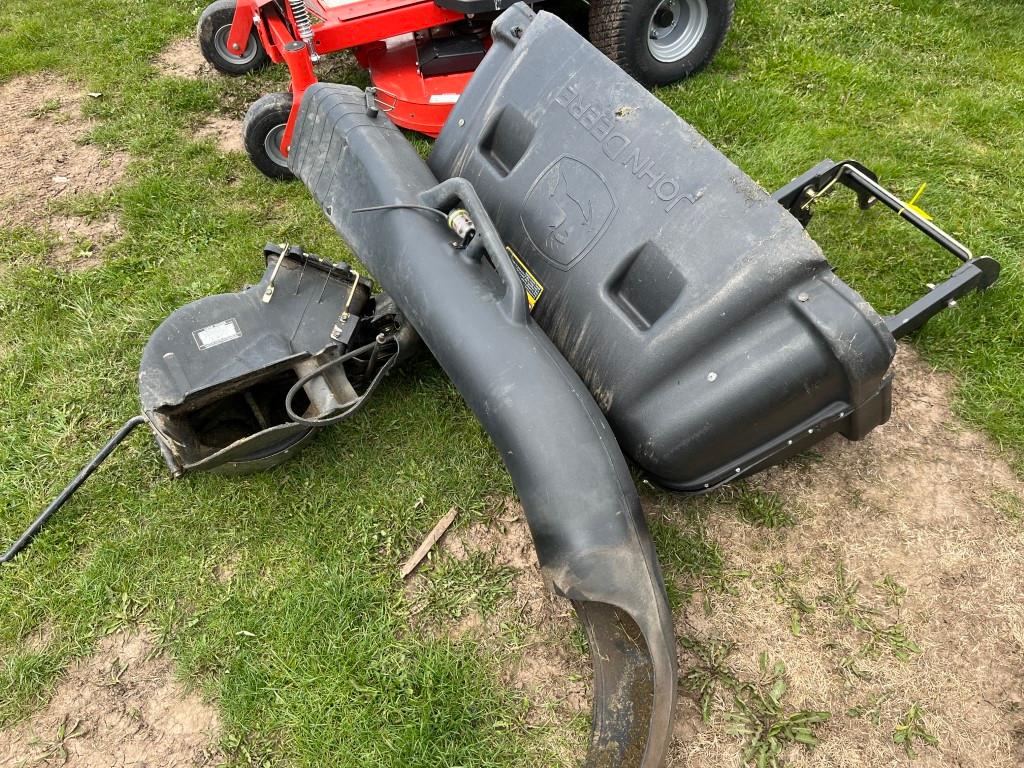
{"x":803,"y":191}
{"x":976,"y":273}
{"x":889,"y":200}
{"x":30,"y":533}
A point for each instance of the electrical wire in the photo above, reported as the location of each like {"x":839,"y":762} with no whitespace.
{"x":350,"y":409}
{"x":399,"y":206}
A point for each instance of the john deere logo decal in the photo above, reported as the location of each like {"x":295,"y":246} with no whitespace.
{"x":567,"y":209}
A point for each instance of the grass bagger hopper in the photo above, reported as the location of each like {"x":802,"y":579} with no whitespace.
{"x":597,"y":280}
{"x":421,"y":53}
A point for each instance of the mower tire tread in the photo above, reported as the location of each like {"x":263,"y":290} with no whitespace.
{"x":213,"y":19}
{"x":266,"y":118}
{"x":617,"y":28}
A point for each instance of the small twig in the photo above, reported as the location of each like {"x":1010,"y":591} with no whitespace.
{"x":436,"y":533}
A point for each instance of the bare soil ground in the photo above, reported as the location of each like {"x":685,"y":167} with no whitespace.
{"x":932,"y":506}
{"x":183,"y":59}
{"x":924,"y":505}
{"x":226,"y":133}
{"x":44,"y":161}
{"x":119,"y":707}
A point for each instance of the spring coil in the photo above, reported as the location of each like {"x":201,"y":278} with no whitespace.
{"x":302,"y":22}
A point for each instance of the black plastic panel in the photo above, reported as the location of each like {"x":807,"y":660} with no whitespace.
{"x":709,"y":326}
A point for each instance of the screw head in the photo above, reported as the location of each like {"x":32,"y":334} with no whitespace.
{"x":803,"y":297}
{"x":461,"y":122}
{"x":236,"y":47}
{"x":712,"y":376}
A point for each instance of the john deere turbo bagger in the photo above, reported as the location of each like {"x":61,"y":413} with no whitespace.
{"x":597,"y":280}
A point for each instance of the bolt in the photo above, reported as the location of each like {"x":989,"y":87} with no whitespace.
{"x":803,"y":297}
{"x":461,"y":122}
{"x":236,"y":47}
{"x":712,"y":376}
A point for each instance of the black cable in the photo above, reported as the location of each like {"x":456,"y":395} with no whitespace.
{"x":350,"y":408}
{"x":400,"y":206}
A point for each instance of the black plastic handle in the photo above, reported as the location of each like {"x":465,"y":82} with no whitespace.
{"x":444,"y":196}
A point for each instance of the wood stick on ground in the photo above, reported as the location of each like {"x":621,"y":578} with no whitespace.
{"x":436,"y":533}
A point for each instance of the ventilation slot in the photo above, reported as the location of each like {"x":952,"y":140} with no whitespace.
{"x":506,"y":140}
{"x":647,"y":286}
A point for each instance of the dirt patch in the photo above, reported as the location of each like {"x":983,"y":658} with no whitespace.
{"x":182,"y":58}
{"x":225,"y":132}
{"x":119,"y":707}
{"x":909,"y":509}
{"x":43,"y":161}
{"x":224,"y":572}
{"x":40,"y":638}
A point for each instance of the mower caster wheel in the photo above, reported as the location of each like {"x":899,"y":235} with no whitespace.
{"x":212,"y":31}
{"x":262,"y":131}
{"x":660,"y":41}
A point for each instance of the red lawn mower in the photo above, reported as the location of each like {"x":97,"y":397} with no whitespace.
{"x":421,"y":53}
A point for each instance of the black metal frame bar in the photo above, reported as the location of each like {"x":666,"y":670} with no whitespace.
{"x":30,"y":533}
{"x":976,"y":272}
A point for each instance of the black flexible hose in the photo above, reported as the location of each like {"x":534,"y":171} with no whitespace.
{"x":30,"y":533}
{"x":350,"y":408}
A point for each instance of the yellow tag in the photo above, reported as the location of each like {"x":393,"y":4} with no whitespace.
{"x":530,"y":282}
{"x":912,"y":207}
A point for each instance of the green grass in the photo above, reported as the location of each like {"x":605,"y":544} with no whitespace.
{"x":455,"y":586}
{"x":766,"y":509}
{"x":911,"y":730}
{"x":920,"y":91}
{"x":755,"y":710}
{"x":872,"y":627}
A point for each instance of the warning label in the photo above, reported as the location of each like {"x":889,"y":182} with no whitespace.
{"x":218,"y":333}
{"x":530,"y":282}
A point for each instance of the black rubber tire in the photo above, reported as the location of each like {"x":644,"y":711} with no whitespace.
{"x":212,"y":30}
{"x":266,"y":118}
{"x":619,"y":29}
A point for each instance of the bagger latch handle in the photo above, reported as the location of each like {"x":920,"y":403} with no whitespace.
{"x":976,"y":273}
{"x":457,"y":190}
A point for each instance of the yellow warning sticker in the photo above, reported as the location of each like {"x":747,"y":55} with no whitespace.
{"x":530,"y":282}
